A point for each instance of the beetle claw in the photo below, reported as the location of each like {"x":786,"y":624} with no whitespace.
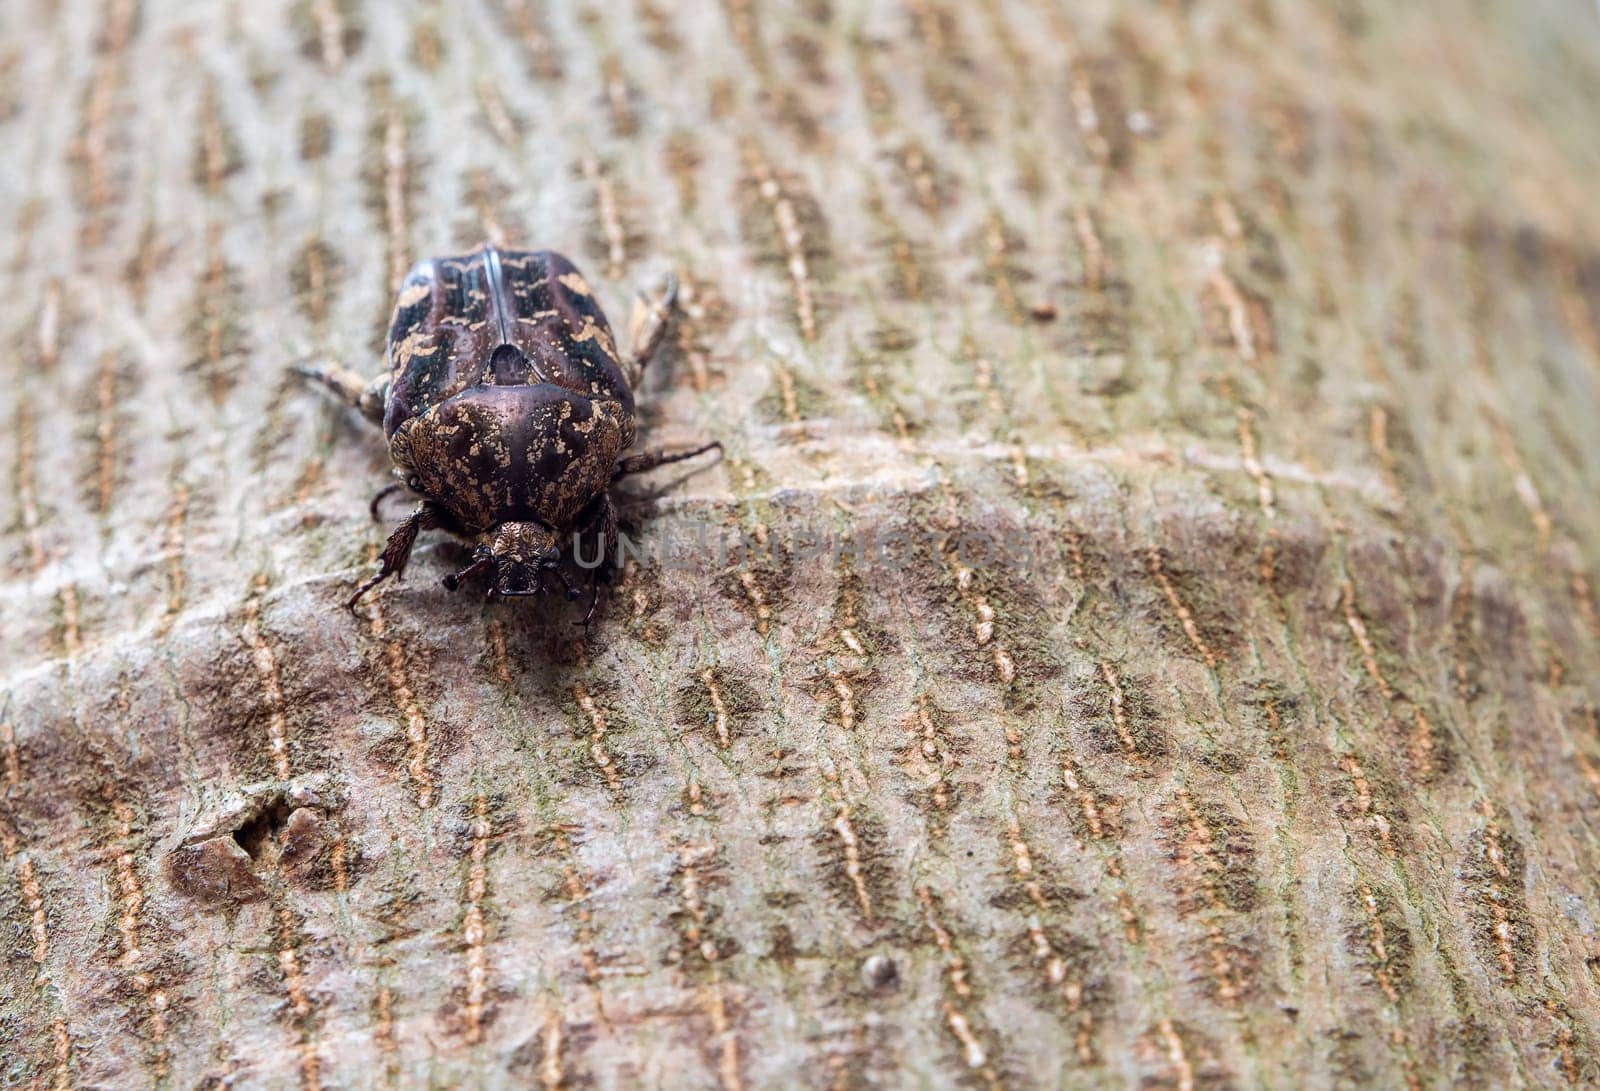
{"x":350,"y":603}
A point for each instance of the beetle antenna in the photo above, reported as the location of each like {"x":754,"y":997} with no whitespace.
{"x":454,"y":580}
{"x":383,"y":494}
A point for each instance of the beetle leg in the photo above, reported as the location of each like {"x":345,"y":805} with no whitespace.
{"x":605,"y":521}
{"x":398,"y":550}
{"x":608,"y":532}
{"x":350,"y":388}
{"x":652,"y":319}
{"x":649,"y":460}
{"x":375,"y":399}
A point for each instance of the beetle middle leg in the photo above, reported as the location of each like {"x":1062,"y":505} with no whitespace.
{"x":649,"y":460}
{"x":366,"y":395}
{"x":398,"y":550}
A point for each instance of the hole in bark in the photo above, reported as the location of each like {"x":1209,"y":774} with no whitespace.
{"x":262,"y":829}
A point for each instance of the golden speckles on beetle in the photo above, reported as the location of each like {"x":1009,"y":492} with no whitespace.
{"x":575,"y":282}
{"x":507,"y":411}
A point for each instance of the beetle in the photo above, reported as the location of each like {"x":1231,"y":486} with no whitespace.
{"x":507,"y":408}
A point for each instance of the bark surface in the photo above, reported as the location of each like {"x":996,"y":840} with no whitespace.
{"x":1263,"y":336}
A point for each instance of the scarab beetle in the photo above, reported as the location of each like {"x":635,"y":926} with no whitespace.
{"x":507,"y":409}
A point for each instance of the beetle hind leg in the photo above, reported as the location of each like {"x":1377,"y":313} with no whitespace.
{"x":398,"y":550}
{"x":649,"y":326}
{"x":366,"y":395}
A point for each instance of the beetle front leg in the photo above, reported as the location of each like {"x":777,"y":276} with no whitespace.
{"x":369,"y":396}
{"x":608,"y":534}
{"x":398,"y":550}
{"x":602,"y":519}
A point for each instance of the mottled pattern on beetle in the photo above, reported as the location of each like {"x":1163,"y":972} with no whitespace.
{"x":494,"y":454}
{"x":492,"y":433}
{"x":443,"y":337}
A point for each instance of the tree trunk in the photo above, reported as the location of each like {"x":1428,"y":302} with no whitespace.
{"x":1161,"y":646}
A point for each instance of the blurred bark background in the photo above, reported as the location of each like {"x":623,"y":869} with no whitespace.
{"x":1270,"y":329}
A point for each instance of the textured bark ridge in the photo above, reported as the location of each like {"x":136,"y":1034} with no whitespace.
{"x":1265,"y":336}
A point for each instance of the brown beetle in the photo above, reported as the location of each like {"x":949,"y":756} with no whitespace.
{"x":507,"y":409}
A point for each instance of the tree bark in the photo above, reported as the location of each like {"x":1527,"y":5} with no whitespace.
{"x":1163,"y":648}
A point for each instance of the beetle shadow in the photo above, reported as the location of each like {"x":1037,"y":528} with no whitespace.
{"x":545,"y":623}
{"x":662,"y":375}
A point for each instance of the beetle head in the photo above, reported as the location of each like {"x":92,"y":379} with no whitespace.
{"x":522,"y":554}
